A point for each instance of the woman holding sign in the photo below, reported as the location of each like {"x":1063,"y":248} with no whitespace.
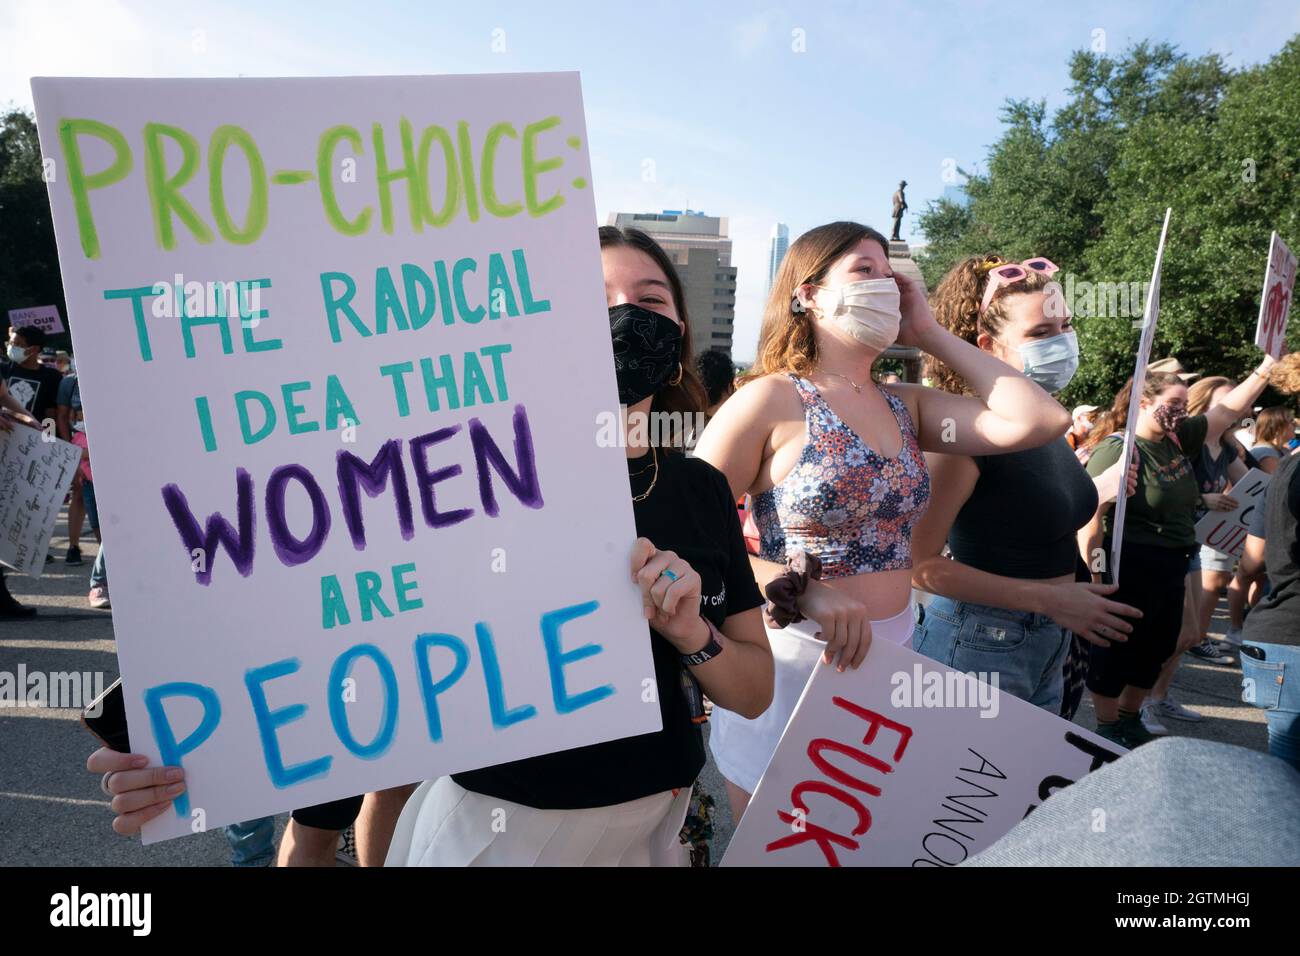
{"x":1159,"y":537}
{"x":622,"y":802}
{"x":833,"y":462}
{"x":1010,"y":520}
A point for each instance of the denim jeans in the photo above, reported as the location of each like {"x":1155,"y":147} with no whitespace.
{"x":99,"y":570}
{"x":1173,"y":802}
{"x":1027,"y":651}
{"x":252,"y":843}
{"x":1273,"y":684}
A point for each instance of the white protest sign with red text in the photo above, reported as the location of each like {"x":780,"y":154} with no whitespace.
{"x":906,"y":762}
{"x":1149,"y":317}
{"x":1275,"y":304}
{"x":1225,"y":531}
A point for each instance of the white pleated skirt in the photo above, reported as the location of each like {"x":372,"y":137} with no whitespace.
{"x":443,"y":824}
{"x":741,"y":747}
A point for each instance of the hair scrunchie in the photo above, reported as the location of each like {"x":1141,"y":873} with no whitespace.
{"x":783,"y":591}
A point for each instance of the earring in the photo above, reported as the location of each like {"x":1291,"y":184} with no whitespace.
{"x":678,"y":379}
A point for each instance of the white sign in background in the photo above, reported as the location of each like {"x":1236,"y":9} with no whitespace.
{"x":242,"y":670}
{"x":1149,"y":317}
{"x":1275,"y":302}
{"x":1226,"y":531}
{"x":43,"y":317}
{"x":877,"y":767}
{"x":35,"y":474}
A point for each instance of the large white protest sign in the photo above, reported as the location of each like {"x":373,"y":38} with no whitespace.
{"x":1149,"y":317}
{"x":343,"y":345}
{"x":1275,"y":303}
{"x":35,"y":474}
{"x":44,"y":317}
{"x":905,"y":762}
{"x":1226,"y":531}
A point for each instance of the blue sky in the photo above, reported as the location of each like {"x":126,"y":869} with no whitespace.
{"x":710,"y":106}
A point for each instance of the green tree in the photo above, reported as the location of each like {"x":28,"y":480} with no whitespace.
{"x":29,"y":262}
{"x":1140,"y":132}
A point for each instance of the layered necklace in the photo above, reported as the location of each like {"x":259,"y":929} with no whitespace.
{"x":654,"y":463}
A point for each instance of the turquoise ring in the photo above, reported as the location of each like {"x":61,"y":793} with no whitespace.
{"x":668,"y":574}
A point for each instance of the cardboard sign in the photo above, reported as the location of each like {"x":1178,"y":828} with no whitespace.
{"x":35,"y":475}
{"x":1149,"y":317}
{"x":343,"y":346}
{"x":906,"y":762}
{"x":44,"y":317}
{"x":1226,"y":531}
{"x":1275,"y":303}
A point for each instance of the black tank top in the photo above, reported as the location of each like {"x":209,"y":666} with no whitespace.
{"x":1021,"y":518}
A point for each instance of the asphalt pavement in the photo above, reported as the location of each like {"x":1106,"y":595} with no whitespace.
{"x":52,"y":812}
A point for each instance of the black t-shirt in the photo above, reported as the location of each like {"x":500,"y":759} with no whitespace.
{"x":1021,"y":517}
{"x":36,"y":388}
{"x":690,"y":511}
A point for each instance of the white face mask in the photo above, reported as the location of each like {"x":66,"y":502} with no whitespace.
{"x":868,"y":311}
{"x":17,"y":354}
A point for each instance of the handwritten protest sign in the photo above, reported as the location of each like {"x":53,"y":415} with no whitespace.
{"x":905,"y":762}
{"x":35,"y":475}
{"x":343,"y":344}
{"x":1226,"y":531}
{"x":1149,"y":317}
{"x":1275,"y":303}
{"x":43,"y":317}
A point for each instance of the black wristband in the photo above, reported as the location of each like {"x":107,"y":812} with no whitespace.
{"x":709,"y":651}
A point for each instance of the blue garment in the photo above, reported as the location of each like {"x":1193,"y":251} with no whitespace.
{"x":1273,"y":684}
{"x":1027,"y":651}
{"x":99,"y":570}
{"x":252,"y":843}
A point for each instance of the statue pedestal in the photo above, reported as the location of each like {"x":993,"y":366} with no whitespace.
{"x":900,"y":260}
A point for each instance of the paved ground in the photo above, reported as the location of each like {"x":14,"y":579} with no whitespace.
{"x":53,"y":813}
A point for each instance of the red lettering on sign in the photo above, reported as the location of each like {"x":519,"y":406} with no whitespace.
{"x":812,"y":831}
{"x":815,"y":749}
{"x":877,"y":721}
{"x":844,"y":797}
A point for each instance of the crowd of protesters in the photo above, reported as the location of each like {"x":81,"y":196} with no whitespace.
{"x":39,"y":388}
{"x":968,"y":517}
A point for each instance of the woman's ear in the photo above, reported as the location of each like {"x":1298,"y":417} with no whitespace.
{"x":986,"y":342}
{"x":804,"y":298}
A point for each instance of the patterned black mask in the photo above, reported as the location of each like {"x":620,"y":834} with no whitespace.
{"x":647,"y":350}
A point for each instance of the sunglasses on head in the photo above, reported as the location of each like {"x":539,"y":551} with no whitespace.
{"x":1009,"y":273}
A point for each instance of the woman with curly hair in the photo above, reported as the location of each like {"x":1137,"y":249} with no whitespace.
{"x":1015,"y":590}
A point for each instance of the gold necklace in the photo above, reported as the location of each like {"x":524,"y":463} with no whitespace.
{"x":655,"y":461}
{"x":856,"y":387}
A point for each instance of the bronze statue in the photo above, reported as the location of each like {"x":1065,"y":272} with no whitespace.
{"x":900,"y":207}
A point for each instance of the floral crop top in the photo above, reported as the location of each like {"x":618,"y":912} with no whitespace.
{"x":851,"y":506}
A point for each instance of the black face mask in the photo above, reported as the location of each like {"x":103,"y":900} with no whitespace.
{"x":647,"y":351}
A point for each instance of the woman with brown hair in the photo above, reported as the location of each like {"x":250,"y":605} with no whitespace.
{"x":1015,"y":589}
{"x":833,"y":462}
{"x":1159,"y":537}
{"x":623,"y":802}
{"x":1216,"y":467}
{"x":1274,"y":430}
